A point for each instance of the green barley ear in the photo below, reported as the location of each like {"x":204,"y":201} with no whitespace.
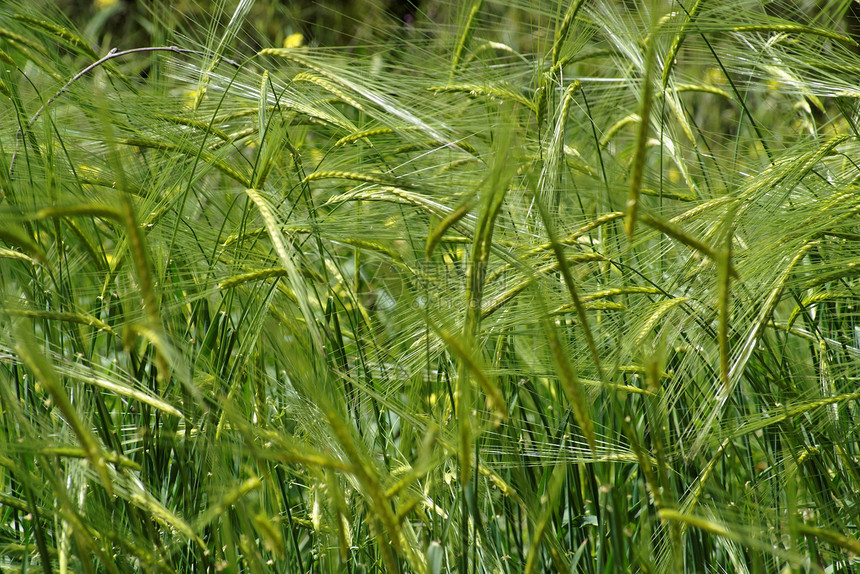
{"x":261,"y":275}
{"x":272,"y":538}
{"x":669,"y":61}
{"x":540,"y":104}
{"x":494,"y":189}
{"x":450,"y":220}
{"x":495,"y":399}
{"x":215,"y":52}
{"x":329,"y":87}
{"x":7,"y":59}
{"x":645,"y":101}
{"x":468,"y":31}
{"x":797,"y":29}
{"x":286,"y":257}
{"x":548,"y":192}
{"x":563,"y":30}
{"x":28,"y":247}
{"x":475,"y":90}
{"x":657,"y":314}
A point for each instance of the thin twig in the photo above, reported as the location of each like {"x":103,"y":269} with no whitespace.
{"x":114,"y":54}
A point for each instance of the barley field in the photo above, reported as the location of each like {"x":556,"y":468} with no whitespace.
{"x":480,"y":286}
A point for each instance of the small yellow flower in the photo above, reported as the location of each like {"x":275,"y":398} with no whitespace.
{"x":293,"y":40}
{"x":102,"y":4}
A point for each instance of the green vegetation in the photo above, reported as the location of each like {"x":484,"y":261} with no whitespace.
{"x":516,"y":286}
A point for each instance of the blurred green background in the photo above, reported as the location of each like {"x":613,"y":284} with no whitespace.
{"x":126,"y":24}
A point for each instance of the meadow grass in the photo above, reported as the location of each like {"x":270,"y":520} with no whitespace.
{"x":516,"y":287}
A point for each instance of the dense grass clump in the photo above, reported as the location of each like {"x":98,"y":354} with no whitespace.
{"x":509,"y":287}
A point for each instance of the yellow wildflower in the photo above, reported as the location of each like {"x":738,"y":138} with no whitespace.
{"x":294,"y":41}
